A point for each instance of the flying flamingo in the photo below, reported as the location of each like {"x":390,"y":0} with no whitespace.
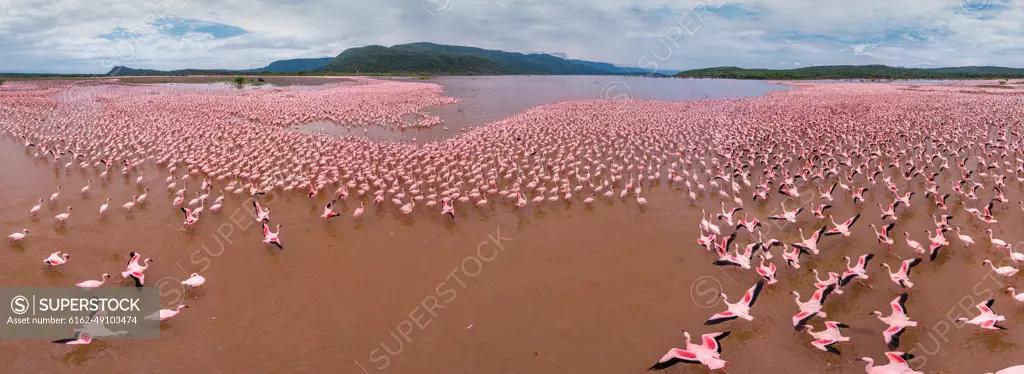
{"x":262,"y":215}
{"x":708,"y":353}
{"x":810,"y":308}
{"x":843,"y":228}
{"x":329,"y":210}
{"x":897,"y":321}
{"x":897,"y":364}
{"x":827,"y":339}
{"x":902,"y":276}
{"x":737,"y":310}
{"x":135,"y":270}
{"x":988,"y":319}
{"x":271,"y":237}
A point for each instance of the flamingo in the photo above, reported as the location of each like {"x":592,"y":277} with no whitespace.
{"x":53,"y":197}
{"x":80,"y":338}
{"x":135,"y":270}
{"x":191,"y":217}
{"x":843,"y":228}
{"x":810,"y":244}
{"x":768,"y":272}
{"x":902,"y":276}
{"x":883,"y":234}
{"x":103,"y":208}
{"x":1017,"y":369}
{"x":194,"y":280}
{"x":897,"y":321}
{"x":792,"y":257}
{"x":938,"y":241}
{"x":1006,"y":271}
{"x":329,"y":210}
{"x":827,"y":339}
{"x":897,"y":364}
{"x":987,"y":319}
{"x":708,"y":353}
{"x":18,"y":236}
{"x":447,"y":208}
{"x":35,"y":209}
{"x":967,"y":240}
{"x":262,"y":215}
{"x":90,"y":284}
{"x":737,"y":310}
{"x":164,"y":314}
{"x":1013,"y":293}
{"x":858,"y":271}
{"x":271,"y":237}
{"x":810,"y":308}
{"x":917,"y":247}
{"x":358,"y":212}
{"x":56,"y":259}
{"x":63,"y":216}
{"x":131,"y":204}
{"x":787,"y":215}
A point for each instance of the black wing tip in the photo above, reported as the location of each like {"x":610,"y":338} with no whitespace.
{"x":832,"y":349}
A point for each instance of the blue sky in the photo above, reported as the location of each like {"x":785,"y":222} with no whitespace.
{"x":91,"y":37}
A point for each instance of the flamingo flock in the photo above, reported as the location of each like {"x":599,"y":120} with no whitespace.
{"x":233,"y":143}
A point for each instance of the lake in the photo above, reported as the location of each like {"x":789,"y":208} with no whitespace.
{"x":487,"y":99}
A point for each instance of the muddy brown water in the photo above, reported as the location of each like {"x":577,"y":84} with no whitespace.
{"x":571,"y":289}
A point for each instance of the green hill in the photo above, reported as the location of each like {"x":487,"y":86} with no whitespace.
{"x":280,"y":66}
{"x":295,"y":65}
{"x":430,"y":58}
{"x":856,"y":72}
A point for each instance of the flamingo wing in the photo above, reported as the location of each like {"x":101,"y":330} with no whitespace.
{"x":898,"y":358}
{"x":849,"y":223}
{"x":673,"y":357}
{"x":909,"y":264}
{"x":986,"y":307}
{"x":899,"y":303}
{"x":750,"y":297}
{"x":847,"y":277}
{"x":711,"y":341}
{"x":827,"y":345}
{"x":720,"y":317}
{"x":892,"y":336}
{"x":863,"y":260}
{"x":800,"y":319}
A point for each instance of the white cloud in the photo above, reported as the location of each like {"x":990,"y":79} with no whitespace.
{"x":64,"y":36}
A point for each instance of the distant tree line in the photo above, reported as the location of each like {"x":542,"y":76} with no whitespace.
{"x":880,"y":72}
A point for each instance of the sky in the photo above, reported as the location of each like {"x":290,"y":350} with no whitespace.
{"x":80,"y":36}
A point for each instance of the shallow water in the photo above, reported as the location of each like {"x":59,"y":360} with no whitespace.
{"x":571,"y":289}
{"x":487,"y":99}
